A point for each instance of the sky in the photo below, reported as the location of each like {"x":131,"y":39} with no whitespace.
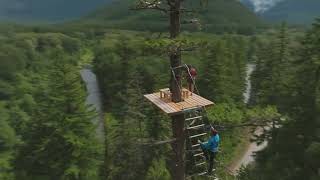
{"x":261,"y":6}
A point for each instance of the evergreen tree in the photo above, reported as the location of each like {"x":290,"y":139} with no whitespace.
{"x":158,"y":170}
{"x":128,"y":155}
{"x":222,"y":77}
{"x":273,"y":79}
{"x":8,"y":141}
{"x":293,"y":153}
{"x":61,"y":141}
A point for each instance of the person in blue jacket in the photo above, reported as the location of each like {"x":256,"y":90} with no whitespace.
{"x":210,"y":148}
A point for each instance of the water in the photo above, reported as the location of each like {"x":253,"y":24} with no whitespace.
{"x":247,"y":93}
{"x":248,"y":156}
{"x":94,"y":99}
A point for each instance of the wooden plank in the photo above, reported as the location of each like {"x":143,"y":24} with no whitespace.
{"x":175,"y":106}
{"x":192,"y":100}
{"x":163,"y":105}
{"x":172,"y":108}
{"x":201,"y":100}
{"x":157,"y":103}
{"x":206,"y":101}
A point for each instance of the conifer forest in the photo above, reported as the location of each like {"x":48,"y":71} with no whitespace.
{"x":76,"y":79}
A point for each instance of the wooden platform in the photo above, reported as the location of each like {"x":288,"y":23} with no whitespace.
{"x":172,"y":108}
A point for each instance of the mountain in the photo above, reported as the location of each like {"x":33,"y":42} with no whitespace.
{"x":293,"y":11}
{"x":219,"y":16}
{"x":46,"y":10}
{"x":260,"y":6}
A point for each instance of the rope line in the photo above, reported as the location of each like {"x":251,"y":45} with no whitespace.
{"x":193,"y":82}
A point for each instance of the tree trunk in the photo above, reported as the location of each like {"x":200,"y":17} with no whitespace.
{"x":178,"y":147}
{"x":175,"y":87}
{"x":175,"y":54}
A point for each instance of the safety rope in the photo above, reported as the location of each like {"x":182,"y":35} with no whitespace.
{"x":177,"y":82}
{"x":193,"y":82}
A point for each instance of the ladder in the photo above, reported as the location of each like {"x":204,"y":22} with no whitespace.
{"x":195,"y":130}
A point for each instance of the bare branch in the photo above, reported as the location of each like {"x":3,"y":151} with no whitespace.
{"x":155,"y":143}
{"x":253,"y":123}
{"x":150,"y":4}
{"x":157,"y":5}
{"x":189,"y":49}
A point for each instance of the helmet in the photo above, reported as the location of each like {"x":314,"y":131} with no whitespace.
{"x":214,"y":131}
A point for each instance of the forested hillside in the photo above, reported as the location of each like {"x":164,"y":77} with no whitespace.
{"x":287,"y":76}
{"x":47,"y":130}
{"x":294,"y":11}
{"x":219,"y":16}
{"x":46,"y":10}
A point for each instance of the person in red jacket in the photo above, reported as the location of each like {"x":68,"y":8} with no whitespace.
{"x":191,"y":77}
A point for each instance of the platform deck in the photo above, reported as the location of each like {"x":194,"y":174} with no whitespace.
{"x":172,"y":108}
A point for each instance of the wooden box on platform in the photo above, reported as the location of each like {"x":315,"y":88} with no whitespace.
{"x":162,"y":99}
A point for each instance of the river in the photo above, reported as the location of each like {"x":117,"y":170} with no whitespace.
{"x":94,"y":99}
{"x":248,"y":155}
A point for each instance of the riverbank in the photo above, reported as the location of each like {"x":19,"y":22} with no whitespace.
{"x":241,"y":152}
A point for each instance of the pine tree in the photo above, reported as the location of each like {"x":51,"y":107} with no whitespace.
{"x":293,"y":153}
{"x":222,"y":77}
{"x":61,"y":143}
{"x":158,"y":170}
{"x":127,"y":154}
{"x":273,"y":79}
{"x":8,"y":140}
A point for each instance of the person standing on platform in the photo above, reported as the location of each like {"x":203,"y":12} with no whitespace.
{"x":191,"y":77}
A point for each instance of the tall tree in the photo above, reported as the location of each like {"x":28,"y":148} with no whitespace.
{"x":8,"y":141}
{"x":293,"y":152}
{"x":128,"y":155}
{"x":61,"y":142}
{"x":273,"y":77}
{"x":222,"y":76}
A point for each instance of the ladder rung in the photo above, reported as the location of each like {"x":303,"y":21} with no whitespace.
{"x":197,"y":117}
{"x":196,"y":145}
{"x":201,"y":164}
{"x":192,"y":109}
{"x":201,"y":174}
{"x":196,"y":127}
{"x":198,"y":135}
{"x":199,"y":154}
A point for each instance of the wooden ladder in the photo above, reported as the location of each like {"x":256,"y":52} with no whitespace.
{"x":195,"y":131}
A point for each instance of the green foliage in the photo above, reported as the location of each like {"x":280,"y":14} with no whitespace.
{"x":61,"y":141}
{"x":129,"y":66}
{"x":8,"y":141}
{"x":222,"y":76}
{"x":266,"y":113}
{"x":42,"y":99}
{"x":218,"y":16}
{"x":294,"y":147}
{"x":158,"y":170}
{"x":226,"y":113}
{"x":273,"y":79}
{"x":12,"y":61}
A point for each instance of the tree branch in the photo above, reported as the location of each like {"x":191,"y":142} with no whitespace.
{"x":148,"y":4}
{"x":155,"y":143}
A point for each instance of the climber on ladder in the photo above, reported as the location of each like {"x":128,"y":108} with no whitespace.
{"x":191,"y":77}
{"x":210,"y":148}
